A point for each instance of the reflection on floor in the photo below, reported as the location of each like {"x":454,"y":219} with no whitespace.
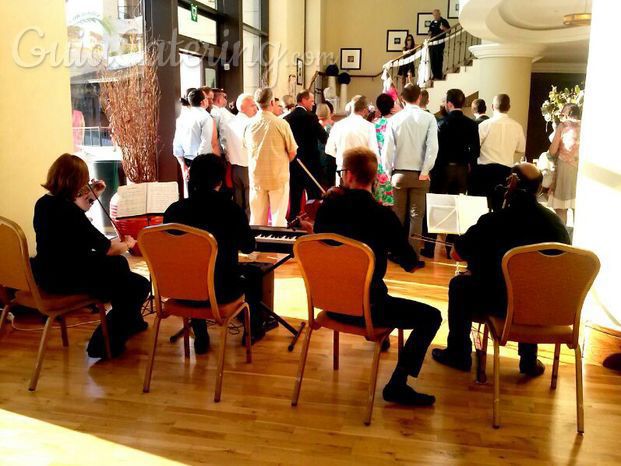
{"x":95,"y":412}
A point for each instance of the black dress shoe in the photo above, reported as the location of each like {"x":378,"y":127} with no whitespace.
{"x":532,"y":369}
{"x":406,"y":395}
{"x":386,"y":345}
{"x":97,"y":348}
{"x":137,"y":327}
{"x":420,"y":264}
{"x":448,"y":358}
{"x":201,"y":344}
{"x":428,"y":253}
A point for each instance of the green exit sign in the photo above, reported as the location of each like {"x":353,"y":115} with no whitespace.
{"x":194,"y":12}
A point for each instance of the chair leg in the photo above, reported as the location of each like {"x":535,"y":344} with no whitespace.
{"x":147,"y":376}
{"x":482,"y":358}
{"x":248,"y":334}
{"x":42,"y":346}
{"x":399,"y":340}
{"x":579,"y":398}
{"x":186,"y":337}
{"x":298,"y":380}
{"x":225,"y":332}
{"x":496,"y":384}
{"x":104,"y":329}
{"x":5,"y":312}
{"x":63,"y":331}
{"x":373,"y":382}
{"x":557,"y":355}
{"x":335,"y":351}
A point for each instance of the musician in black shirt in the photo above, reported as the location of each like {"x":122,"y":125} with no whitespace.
{"x":73,"y":257}
{"x":353,"y":212}
{"x":436,"y":52}
{"x":209,"y":209}
{"x":481,"y":291}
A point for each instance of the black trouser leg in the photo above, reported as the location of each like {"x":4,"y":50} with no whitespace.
{"x":252,"y":279}
{"x":423,"y":319}
{"x":528,"y":353}
{"x":464,"y":291}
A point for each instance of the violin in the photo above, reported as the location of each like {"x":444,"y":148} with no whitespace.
{"x":307,"y":217}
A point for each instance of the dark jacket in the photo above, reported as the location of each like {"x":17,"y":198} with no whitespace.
{"x":307,"y":132}
{"x":481,"y":119}
{"x":458,"y":140}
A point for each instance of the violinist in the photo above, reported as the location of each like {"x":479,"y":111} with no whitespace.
{"x":353,"y":212}
{"x":73,"y":257}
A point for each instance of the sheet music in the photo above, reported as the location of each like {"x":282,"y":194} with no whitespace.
{"x":469,"y":210}
{"x":454,"y":214}
{"x":132,"y":200}
{"x":159,"y":196}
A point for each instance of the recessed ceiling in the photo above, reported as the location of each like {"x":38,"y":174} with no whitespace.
{"x":540,"y":15}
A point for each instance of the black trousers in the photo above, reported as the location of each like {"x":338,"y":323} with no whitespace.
{"x":450,"y":179}
{"x":299,"y":181}
{"x":424,"y":320}
{"x":469,"y":300}
{"x":436,"y":56}
{"x":241,"y":187}
{"x":485,"y":182}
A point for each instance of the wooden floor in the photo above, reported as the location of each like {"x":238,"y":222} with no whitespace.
{"x":90,"y":412}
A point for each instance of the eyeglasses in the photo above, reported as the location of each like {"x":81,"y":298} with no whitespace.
{"x":341,"y":171}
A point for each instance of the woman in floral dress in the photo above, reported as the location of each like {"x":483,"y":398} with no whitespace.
{"x":383,"y":188}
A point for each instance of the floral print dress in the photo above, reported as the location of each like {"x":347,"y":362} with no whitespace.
{"x":382,"y":188}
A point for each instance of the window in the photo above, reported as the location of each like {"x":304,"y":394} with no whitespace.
{"x":252,"y":62}
{"x":254,"y":38}
{"x":251,"y":13}
{"x":205,"y":29}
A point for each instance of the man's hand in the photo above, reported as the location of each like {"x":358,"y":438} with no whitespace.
{"x":185,"y":172}
{"x":424,"y":178}
{"x":306,"y":225}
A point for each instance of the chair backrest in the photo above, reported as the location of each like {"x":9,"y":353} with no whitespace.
{"x":547,"y":284}
{"x":181,"y":261}
{"x":15,"y":271}
{"x":337,"y":274}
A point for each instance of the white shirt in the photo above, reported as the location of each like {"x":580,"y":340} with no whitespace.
{"x":223,"y":116}
{"x":501,"y":138}
{"x":410,"y":141}
{"x":193,"y":133}
{"x":233,"y":134}
{"x":353,"y":131}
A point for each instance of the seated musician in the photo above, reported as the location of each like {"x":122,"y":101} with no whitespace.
{"x":73,"y":257}
{"x":209,"y":209}
{"x":481,"y":291}
{"x":352,"y":211}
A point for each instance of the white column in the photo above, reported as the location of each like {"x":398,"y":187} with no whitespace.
{"x":506,"y":69}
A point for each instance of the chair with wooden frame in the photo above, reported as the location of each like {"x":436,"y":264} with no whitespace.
{"x":182,"y":261}
{"x":547,"y":284}
{"x":16,"y":274}
{"x":337,"y":274}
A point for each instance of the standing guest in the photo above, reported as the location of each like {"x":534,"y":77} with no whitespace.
{"x":73,"y":257}
{"x":565,"y":148}
{"x":409,"y":153}
{"x":423,"y":100}
{"x":407,"y":71}
{"x":221,"y":115}
{"x":278,"y":110}
{"x":478,"y":110}
{"x":437,"y":30}
{"x":209,"y":95}
{"x":308,"y":133}
{"x":288,"y":103}
{"x":235,"y":151}
{"x":382,"y":188}
{"x":353,"y":212}
{"x":353,"y":131}
{"x":458,"y":150}
{"x":328,"y":164}
{"x":210,"y":209}
{"x":502,"y":145}
{"x":195,"y":132}
{"x":271,"y":146}
{"x":481,"y":291}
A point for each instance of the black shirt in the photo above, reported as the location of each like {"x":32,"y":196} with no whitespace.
{"x":435,"y":28}
{"x":458,"y":140}
{"x":67,"y":243}
{"x":356,"y":214}
{"x":307,"y":132}
{"x":484,"y":244}
{"x":216,"y":213}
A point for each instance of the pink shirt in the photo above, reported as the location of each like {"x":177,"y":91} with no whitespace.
{"x":566,"y":142}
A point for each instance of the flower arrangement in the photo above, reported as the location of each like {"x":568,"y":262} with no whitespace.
{"x":552,"y":108}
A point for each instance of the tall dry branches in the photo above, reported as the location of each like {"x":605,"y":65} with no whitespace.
{"x":130,"y":99}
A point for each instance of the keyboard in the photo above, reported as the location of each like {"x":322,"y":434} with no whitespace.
{"x":275,"y":239}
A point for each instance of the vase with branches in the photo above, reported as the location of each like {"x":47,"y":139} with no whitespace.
{"x":552,"y":108}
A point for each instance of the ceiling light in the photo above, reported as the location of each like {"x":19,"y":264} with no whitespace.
{"x":577,"y":19}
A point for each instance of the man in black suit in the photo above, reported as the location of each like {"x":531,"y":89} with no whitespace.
{"x":478,"y":110}
{"x":307,"y":132}
{"x":458,"y":150}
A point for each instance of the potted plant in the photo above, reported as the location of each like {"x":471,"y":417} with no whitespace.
{"x":552,"y":108}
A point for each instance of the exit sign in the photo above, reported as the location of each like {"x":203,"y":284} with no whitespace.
{"x":194,"y":12}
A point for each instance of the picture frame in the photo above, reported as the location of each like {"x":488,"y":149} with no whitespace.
{"x":423,"y":20}
{"x":299,"y":67}
{"x":452,"y":10}
{"x":351,"y":59}
{"x":395,"y":39}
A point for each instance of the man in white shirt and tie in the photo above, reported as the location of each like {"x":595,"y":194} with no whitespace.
{"x":221,"y":114}
{"x":502,"y":145}
{"x":408,"y":155}
{"x":353,"y":131}
{"x":233,"y":135}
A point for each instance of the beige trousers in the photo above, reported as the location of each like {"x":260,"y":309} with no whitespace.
{"x":263,"y":202}
{"x":410,"y":203}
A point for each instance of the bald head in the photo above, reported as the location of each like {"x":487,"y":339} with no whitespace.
{"x":530,"y":177}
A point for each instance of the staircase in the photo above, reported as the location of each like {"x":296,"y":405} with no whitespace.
{"x":465,"y":77}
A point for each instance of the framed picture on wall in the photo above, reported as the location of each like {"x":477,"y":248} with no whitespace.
{"x":395,"y":39}
{"x":351,"y":59}
{"x":452,"y":11}
{"x":299,"y":65}
{"x":423,"y":21}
